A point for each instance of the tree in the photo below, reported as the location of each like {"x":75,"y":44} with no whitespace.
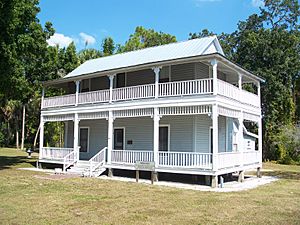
{"x":143,"y":38}
{"x":88,"y":54}
{"x":23,"y":48}
{"x":268,"y":45}
{"x":108,"y":46}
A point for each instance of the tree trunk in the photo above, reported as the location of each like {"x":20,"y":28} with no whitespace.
{"x":36,"y":136}
{"x":23,"y":128}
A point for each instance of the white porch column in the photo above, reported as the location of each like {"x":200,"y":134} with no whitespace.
{"x":241,"y":137}
{"x":260,"y":139}
{"x":214,"y":64}
{"x":258,"y":93}
{"x":42,"y":99}
{"x":76,"y":134}
{"x":156,"y":71}
{"x":42,"y":123}
{"x":215,"y":125}
{"x":111,"y":85}
{"x":77,"y":83}
{"x":240,"y":81}
{"x":156,"y":119}
{"x":110,"y":131}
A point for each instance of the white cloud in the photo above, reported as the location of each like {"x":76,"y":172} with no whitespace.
{"x":60,"y":40}
{"x":87,"y":39}
{"x":257,"y":3}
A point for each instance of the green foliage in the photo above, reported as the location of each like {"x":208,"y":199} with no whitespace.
{"x":108,"y":46}
{"x":288,"y":145}
{"x":268,"y":45}
{"x":143,"y":38}
{"x":88,"y":54}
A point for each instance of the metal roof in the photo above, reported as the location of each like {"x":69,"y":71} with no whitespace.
{"x":190,"y":48}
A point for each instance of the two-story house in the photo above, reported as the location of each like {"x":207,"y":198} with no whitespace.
{"x":180,"y":106}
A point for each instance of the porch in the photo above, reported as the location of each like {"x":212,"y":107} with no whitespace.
{"x":172,"y":162}
{"x":185,"y":142}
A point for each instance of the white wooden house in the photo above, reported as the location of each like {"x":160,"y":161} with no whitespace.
{"x":180,"y":106}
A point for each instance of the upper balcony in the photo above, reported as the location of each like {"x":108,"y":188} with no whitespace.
{"x":165,"y":85}
{"x":197,"y":87}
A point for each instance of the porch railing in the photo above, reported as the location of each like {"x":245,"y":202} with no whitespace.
{"x":58,"y":101}
{"x":54,"y":153}
{"x":93,"y":97}
{"x":189,"y":87}
{"x":251,"y":157}
{"x":131,"y":156}
{"x":97,"y":160}
{"x":178,"y":88}
{"x":134,"y":92}
{"x":229,"y":159}
{"x":185,"y":159}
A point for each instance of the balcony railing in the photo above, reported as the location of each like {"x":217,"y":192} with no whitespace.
{"x":169,"y":89}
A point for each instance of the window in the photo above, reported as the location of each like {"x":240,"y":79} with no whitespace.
{"x":163,"y":138}
{"x":84,"y":139}
{"x":119,"y":138}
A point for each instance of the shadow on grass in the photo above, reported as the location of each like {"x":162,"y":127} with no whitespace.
{"x":7,"y":162}
{"x":284,"y":174}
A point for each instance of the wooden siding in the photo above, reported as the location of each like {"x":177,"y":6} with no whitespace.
{"x":201,"y":71}
{"x":183,"y":72}
{"x":140,"y":77}
{"x":99,"y":83}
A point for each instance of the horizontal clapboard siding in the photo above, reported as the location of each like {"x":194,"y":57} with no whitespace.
{"x":201,"y":71}
{"x":183,"y":72}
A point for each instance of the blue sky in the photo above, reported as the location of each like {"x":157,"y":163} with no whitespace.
{"x":92,"y":20}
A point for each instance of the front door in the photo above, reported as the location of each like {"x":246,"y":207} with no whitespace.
{"x":119,"y":138}
{"x":163,"y":138}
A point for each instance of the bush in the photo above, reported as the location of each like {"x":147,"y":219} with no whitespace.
{"x":288,"y":145}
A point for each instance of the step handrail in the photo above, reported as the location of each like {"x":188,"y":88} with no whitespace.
{"x":97,"y":160}
{"x":66,"y":164}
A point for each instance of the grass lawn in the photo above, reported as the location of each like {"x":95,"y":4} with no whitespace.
{"x":25,"y":198}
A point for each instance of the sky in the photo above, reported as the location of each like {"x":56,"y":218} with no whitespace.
{"x":89,"y":21}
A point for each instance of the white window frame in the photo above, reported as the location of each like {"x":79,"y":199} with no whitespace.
{"x":88,"y":141}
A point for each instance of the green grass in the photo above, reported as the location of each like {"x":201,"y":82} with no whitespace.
{"x":25,"y":198}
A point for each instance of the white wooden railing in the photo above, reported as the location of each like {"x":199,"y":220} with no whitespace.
{"x":134,"y":92}
{"x":178,"y":88}
{"x":70,"y":159}
{"x":189,"y":87}
{"x":250,"y":98}
{"x":131,"y":156}
{"x":97,"y":160}
{"x":93,"y":97}
{"x":229,"y":160}
{"x":57,"y":101}
{"x":185,"y":159}
{"x":228,"y":90}
{"x":54,"y":153}
{"x":251,"y":157}
{"x":231,"y":91}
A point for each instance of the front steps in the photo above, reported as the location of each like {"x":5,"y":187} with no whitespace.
{"x":82,"y":168}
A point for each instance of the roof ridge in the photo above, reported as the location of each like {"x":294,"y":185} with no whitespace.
{"x":138,"y":50}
